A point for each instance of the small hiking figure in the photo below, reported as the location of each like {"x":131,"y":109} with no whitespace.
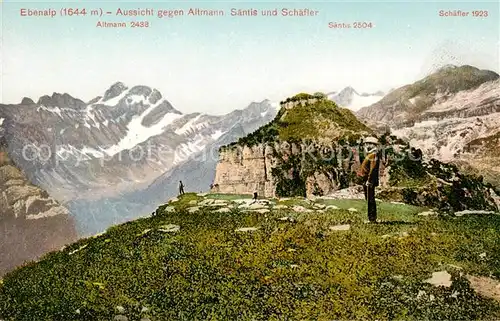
{"x":254,"y":197}
{"x":181,"y":188}
{"x":369,"y":172}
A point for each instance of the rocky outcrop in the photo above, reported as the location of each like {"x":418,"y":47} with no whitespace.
{"x":31,"y":223}
{"x":245,"y":170}
{"x":284,"y":169}
{"x":302,"y":102}
{"x":442,"y":186}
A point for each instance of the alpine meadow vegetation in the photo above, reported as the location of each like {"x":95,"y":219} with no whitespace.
{"x":192,"y":261}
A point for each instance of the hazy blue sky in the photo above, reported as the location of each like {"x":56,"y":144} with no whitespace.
{"x":217,"y":64}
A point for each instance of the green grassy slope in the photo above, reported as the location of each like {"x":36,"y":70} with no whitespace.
{"x":323,"y":119}
{"x":294,"y":266}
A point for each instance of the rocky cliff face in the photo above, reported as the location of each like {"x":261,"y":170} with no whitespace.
{"x":273,"y":170}
{"x":31,"y":222}
{"x":245,"y":170}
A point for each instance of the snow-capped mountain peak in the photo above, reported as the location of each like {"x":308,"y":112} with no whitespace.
{"x":129,"y":134}
{"x":350,"y":98}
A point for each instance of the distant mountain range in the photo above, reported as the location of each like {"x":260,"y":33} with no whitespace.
{"x":350,"y":98}
{"x":197,"y":173}
{"x":116,"y":144}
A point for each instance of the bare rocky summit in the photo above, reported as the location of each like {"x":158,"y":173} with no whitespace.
{"x":429,"y":98}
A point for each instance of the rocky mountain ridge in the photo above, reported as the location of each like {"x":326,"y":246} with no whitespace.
{"x":454,"y":119}
{"x":409,"y":104}
{"x":61,"y":142}
{"x":125,"y":138}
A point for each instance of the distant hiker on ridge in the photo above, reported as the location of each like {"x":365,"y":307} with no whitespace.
{"x":181,"y":188}
{"x":369,"y":172}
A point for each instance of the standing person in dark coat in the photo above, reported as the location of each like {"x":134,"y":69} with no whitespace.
{"x":254,"y":197}
{"x":181,"y":188}
{"x":369,"y":171}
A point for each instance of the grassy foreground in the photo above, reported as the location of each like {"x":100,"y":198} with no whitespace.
{"x":191,"y":262}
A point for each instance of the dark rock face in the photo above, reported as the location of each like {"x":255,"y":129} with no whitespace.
{"x":27,"y":101}
{"x":64,"y":100}
{"x":157,"y":114}
{"x":114,"y":91}
{"x":141,"y":90}
{"x":154,"y":97}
